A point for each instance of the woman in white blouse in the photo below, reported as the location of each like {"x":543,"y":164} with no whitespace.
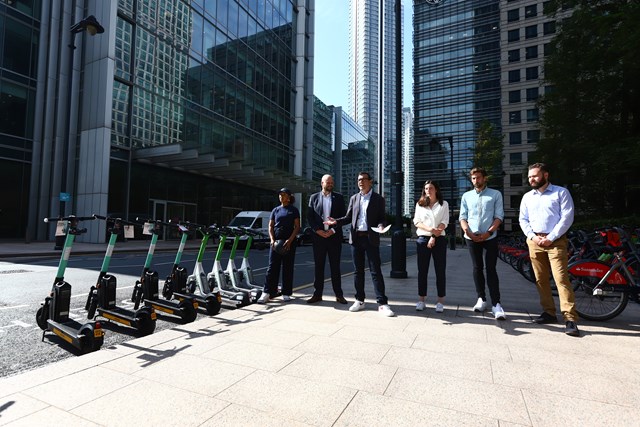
{"x":431,"y":219}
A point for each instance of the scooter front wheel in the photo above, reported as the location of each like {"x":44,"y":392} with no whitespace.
{"x":41,"y":316}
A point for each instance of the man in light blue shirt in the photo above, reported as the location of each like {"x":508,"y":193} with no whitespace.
{"x":481,"y":213}
{"x":546,"y":213}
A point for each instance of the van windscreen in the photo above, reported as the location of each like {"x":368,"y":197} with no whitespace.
{"x":241,"y":221}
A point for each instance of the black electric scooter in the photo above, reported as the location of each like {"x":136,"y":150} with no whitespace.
{"x":146,"y":289}
{"x":181,"y":286}
{"x":53,"y":316}
{"x":102,"y":296}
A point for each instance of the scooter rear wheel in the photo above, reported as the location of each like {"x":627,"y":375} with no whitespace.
{"x":146,"y":325}
{"x":213,"y":305}
{"x":189,"y":313}
{"x":89,"y":342}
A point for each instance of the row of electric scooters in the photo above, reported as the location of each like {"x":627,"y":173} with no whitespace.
{"x":183,"y":294}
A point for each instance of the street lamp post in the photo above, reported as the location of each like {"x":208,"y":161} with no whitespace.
{"x":452,"y":223}
{"x":91,"y":25}
{"x":398,"y":239}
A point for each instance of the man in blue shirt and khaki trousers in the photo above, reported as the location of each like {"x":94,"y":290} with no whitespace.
{"x":546,"y":213}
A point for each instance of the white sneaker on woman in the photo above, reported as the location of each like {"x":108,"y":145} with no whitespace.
{"x":420,"y":306}
{"x":439,"y":308}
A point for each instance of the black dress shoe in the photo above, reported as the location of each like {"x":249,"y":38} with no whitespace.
{"x":314,"y":299}
{"x":545,"y":318}
{"x":571,"y":329}
{"x":341,"y":300}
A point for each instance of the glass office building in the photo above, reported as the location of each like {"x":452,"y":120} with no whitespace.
{"x":180,"y":109}
{"x":456,"y":87}
{"x":20,"y":43}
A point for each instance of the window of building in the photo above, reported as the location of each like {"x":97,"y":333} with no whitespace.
{"x":514,"y":76}
{"x":513,"y":15}
{"x":530,"y":11}
{"x":531,"y":31}
{"x":532,"y":115}
{"x":532,"y":94}
{"x":515,"y":159}
{"x":549,"y":27}
{"x":514,"y":96}
{"x":515,"y":138}
{"x":548,"y":49}
{"x":513,"y":35}
{"x":514,"y":55}
{"x":531,"y":52}
{"x":514,"y":117}
{"x":531,"y":73}
{"x":533,"y":136}
{"x":515,"y":201}
{"x":515,"y":179}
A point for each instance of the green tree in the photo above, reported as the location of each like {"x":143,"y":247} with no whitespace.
{"x":488,"y":153}
{"x":591,"y":117}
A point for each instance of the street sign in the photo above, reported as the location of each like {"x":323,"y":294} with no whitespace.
{"x":65,"y":197}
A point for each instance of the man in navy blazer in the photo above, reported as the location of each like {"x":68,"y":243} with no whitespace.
{"x":366,"y":211}
{"x":327,"y":240}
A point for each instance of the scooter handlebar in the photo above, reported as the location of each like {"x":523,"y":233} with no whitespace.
{"x":70,"y":218}
{"x":114,"y":219}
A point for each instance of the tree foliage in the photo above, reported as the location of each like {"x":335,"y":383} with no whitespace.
{"x":591,"y":118}
{"x":488,"y":153}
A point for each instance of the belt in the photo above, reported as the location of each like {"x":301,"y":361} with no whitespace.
{"x":541,"y":234}
{"x":362,"y":233}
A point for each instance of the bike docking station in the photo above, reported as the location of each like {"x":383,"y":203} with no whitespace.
{"x":181,"y":286}
{"x":53,"y":315}
{"x":236,"y":277}
{"x":102,"y":296}
{"x":146,"y":289}
{"x":231,"y":296}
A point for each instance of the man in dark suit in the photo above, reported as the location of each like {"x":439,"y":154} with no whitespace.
{"x":366,"y":211}
{"x":327,"y":240}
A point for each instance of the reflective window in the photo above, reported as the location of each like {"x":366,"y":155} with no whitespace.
{"x":531,"y":73}
{"x":120,"y":113}
{"x":514,"y":76}
{"x":532,"y":94}
{"x":514,"y":117}
{"x":515,"y":138}
{"x":514,"y":96}
{"x":549,"y":27}
{"x":531,"y":31}
{"x":515,"y":159}
{"x":514,"y":55}
{"x":515,"y":179}
{"x":513,"y":35}
{"x":533,"y":136}
{"x":16,"y":109}
{"x":532,"y":115}
{"x":531,"y":52}
{"x":530,"y":11}
{"x":19,"y":47}
{"x":123,"y":49}
{"x":513,"y":15}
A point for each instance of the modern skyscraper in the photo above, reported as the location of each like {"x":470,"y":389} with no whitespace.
{"x":456,"y":87}
{"x":369,"y":59}
{"x":409,"y":196}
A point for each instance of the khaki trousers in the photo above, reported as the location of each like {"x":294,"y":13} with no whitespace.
{"x":553,"y":260}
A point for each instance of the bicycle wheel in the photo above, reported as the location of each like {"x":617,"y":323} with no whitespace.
{"x":596,"y":307}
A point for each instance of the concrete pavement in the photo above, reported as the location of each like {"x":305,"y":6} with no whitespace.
{"x":298,"y":364}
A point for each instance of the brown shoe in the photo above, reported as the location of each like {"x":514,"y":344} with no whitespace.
{"x":341,"y":300}
{"x":314,"y":299}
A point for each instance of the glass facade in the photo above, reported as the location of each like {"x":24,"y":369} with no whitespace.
{"x":358,"y":154}
{"x":323,"y":140}
{"x":19,"y":42}
{"x":456,"y":87}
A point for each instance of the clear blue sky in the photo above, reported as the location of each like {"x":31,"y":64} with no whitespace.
{"x":331,"y":83}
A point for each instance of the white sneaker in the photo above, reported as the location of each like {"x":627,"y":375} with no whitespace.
{"x":357,"y":306}
{"x":439,"y":308}
{"x":420,"y":306}
{"x":386,"y":311}
{"x":264,"y":298}
{"x":286,"y":298}
{"x":498,"y":312}
{"x":480,"y":306}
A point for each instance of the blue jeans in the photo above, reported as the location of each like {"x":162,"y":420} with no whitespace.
{"x":359,"y":248}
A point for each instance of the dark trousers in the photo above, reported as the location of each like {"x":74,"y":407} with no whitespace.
{"x":331,"y":247}
{"x":488,"y":248}
{"x":276,"y":261}
{"x":359,"y":249}
{"x":439,"y":253}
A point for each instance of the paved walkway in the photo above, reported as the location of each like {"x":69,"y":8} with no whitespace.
{"x":293,"y":364}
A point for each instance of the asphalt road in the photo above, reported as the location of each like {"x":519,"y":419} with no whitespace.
{"x":24,"y":283}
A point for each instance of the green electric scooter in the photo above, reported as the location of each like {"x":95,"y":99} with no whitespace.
{"x":102,"y":296}
{"x":53,"y":316}
{"x":146,"y":289}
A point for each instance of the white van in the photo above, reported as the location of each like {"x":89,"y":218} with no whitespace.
{"x":255,"y":220}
